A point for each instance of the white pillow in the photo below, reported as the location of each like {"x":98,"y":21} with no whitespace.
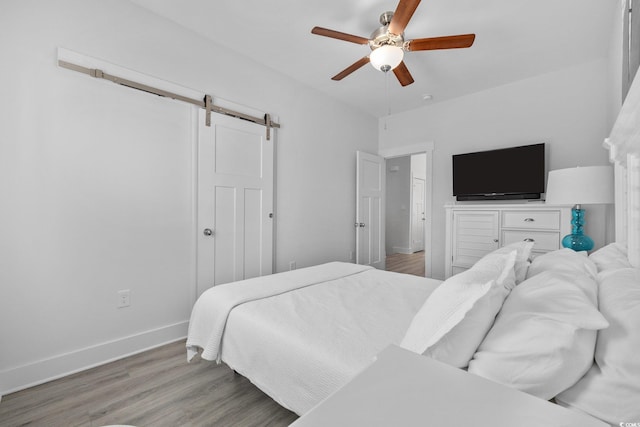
{"x":565,"y":260}
{"x":611,"y":389}
{"x":543,"y":339}
{"x":612,"y":256}
{"x":457,"y":315}
{"x":523,"y":254}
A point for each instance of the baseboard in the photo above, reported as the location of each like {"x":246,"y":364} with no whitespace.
{"x":42,"y":371}
{"x":399,"y":250}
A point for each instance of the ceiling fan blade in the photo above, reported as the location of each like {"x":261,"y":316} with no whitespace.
{"x":338,"y":35}
{"x":351,"y":68}
{"x":446,"y":42}
{"x":403,"y":74}
{"x":402,"y":15}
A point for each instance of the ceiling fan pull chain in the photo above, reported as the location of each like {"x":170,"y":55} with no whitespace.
{"x":386,"y":89}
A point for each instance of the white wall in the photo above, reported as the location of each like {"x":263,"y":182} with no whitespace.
{"x":567,"y":109}
{"x":96,"y":181}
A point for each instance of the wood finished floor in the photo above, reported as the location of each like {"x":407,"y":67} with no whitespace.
{"x":406,"y":263}
{"x":154,"y":388}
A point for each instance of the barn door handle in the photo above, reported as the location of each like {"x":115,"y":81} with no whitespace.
{"x":359,"y":224}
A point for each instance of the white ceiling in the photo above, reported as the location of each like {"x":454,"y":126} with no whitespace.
{"x":515,"y":39}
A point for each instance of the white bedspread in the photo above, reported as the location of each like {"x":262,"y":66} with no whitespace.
{"x":300,"y":346}
{"x":209,"y":314}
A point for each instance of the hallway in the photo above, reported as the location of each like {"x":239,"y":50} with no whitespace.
{"x":406,"y":263}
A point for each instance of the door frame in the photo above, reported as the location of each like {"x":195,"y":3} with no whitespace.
{"x":412,"y":215}
{"x":407,"y":150}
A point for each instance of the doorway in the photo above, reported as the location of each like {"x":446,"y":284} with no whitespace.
{"x":406,"y":214}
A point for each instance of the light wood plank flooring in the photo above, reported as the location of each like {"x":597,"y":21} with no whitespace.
{"x":406,"y":263}
{"x":154,"y":388}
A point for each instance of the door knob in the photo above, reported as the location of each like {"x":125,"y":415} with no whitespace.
{"x":361,"y":224}
{"x":208,"y":232}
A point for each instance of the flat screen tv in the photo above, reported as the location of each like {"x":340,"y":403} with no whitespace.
{"x":508,"y":173}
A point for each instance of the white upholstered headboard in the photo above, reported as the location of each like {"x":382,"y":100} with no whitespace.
{"x":624,"y":152}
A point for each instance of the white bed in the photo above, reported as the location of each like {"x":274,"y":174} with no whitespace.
{"x":301,"y":335}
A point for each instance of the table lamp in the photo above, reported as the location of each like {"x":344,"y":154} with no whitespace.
{"x":580,"y":186}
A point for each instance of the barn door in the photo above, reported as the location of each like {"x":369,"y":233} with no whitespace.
{"x":235,"y":201}
{"x":370,"y":223}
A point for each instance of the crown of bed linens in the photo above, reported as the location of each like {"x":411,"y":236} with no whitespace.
{"x":523,"y":255}
{"x":611,"y":388}
{"x":563,"y":260}
{"x":457,"y":315}
{"x":543,"y":339}
{"x":610,"y":257}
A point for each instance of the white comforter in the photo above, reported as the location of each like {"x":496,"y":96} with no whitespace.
{"x":209,"y":315}
{"x":301,"y":335}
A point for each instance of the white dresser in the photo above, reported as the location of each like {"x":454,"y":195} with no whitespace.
{"x":474,"y":230}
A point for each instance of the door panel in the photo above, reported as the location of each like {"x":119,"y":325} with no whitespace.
{"x":226,"y":230}
{"x":252,"y":232}
{"x":238,"y":152}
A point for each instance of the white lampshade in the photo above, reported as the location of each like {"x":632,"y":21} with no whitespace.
{"x":386,"y":55}
{"x":580,"y":186}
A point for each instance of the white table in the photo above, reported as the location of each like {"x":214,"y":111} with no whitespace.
{"x":402,"y":388}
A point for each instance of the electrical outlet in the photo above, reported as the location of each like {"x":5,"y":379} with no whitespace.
{"x":292,"y":265}
{"x":124,"y":298}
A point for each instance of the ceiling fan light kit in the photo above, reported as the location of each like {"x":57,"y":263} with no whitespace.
{"x":388,"y":45}
{"x":386,"y":58}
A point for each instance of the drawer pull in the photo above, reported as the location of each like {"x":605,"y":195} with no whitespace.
{"x":529,"y":239}
{"x":529,"y":220}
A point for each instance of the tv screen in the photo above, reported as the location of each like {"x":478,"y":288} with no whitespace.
{"x":509,"y":173}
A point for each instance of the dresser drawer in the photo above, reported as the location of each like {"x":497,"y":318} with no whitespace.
{"x":546,"y":220}
{"x":543,"y":240}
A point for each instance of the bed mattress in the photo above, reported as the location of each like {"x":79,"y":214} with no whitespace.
{"x":302,"y":345}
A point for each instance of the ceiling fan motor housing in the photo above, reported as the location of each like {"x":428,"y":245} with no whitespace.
{"x":382,"y":36}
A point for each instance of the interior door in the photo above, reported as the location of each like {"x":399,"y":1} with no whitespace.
{"x":235,"y":201}
{"x":417,"y":214}
{"x":370,"y":183}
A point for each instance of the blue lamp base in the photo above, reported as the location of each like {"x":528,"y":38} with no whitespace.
{"x":577,"y":240}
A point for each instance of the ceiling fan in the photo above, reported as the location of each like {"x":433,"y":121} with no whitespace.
{"x":388,"y":45}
